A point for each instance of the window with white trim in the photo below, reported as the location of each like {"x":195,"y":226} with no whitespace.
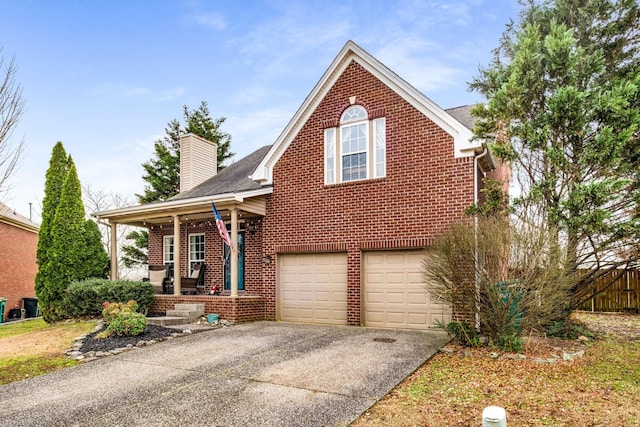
{"x":356,"y":150}
{"x":196,"y":249}
{"x":167,"y":249}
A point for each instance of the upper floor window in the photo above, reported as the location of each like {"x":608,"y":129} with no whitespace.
{"x":356,"y":150}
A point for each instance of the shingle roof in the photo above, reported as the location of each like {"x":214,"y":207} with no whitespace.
{"x":232,"y":179}
{"x":9,"y":216}
{"x":463,"y":115}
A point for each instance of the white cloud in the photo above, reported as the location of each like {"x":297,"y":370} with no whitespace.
{"x":168,"y":94}
{"x":411,"y":59}
{"x":208,"y":19}
{"x":256,"y":129}
{"x":122,"y":90}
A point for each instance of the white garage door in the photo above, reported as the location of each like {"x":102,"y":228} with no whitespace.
{"x":312,"y":288}
{"x":394,"y":292}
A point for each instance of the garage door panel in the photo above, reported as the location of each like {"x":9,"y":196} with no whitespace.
{"x":394,"y":293}
{"x":312,"y":288}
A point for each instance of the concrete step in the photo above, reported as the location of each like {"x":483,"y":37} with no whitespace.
{"x":190,"y":307}
{"x":167,"y":320}
{"x":190,"y":315}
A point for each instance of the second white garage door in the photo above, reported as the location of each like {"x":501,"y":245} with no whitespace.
{"x":394,"y":292}
{"x":312,"y":288}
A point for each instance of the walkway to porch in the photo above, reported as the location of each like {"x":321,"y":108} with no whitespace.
{"x":243,"y":308}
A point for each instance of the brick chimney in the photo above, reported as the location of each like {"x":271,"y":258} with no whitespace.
{"x":198,"y":161}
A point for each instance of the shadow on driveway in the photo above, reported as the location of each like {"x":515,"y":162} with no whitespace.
{"x":263,"y":373}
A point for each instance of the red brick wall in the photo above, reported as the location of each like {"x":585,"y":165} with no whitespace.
{"x":240,"y":309}
{"x":424,"y":190}
{"x":213,"y":252}
{"x":17,"y":264}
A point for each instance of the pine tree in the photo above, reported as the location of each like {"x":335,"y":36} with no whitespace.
{"x":162,"y":173}
{"x":65,"y":264}
{"x":56,"y":174}
{"x":95,"y":258}
{"x":564,"y":86}
{"x":75,"y":249}
{"x":199,"y":122}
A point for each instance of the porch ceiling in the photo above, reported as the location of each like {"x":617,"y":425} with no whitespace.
{"x":187,"y":210}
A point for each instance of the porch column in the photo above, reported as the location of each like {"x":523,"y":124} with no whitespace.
{"x":176,"y":256}
{"x":114,"y":251}
{"x":234,"y":252}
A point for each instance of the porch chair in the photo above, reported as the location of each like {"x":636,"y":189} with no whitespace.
{"x":194,"y":284}
{"x":159,"y":278}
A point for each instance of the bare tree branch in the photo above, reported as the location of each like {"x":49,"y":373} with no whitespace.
{"x":11,"y":109}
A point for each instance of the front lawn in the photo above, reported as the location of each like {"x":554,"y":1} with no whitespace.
{"x":603,"y":388}
{"x":33,"y":347}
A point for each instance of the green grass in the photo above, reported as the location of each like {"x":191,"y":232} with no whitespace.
{"x":16,"y":328}
{"x":615,"y":363}
{"x":37,"y":361}
{"x":19,"y":368}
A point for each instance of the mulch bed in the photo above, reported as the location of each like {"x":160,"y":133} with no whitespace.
{"x":152,"y":332}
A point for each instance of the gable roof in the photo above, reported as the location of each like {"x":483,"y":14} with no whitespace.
{"x":231,"y":187}
{"x":461,"y":134}
{"x":232,"y":179}
{"x":10,"y":217}
{"x":463,"y":115}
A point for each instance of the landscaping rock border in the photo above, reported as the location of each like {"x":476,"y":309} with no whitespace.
{"x":76,"y":353}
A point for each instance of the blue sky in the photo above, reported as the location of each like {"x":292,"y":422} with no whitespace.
{"x":105,"y":77}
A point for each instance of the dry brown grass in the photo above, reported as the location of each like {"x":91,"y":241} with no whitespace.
{"x":603,"y":388}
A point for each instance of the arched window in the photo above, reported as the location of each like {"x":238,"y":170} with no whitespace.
{"x":356,"y":150}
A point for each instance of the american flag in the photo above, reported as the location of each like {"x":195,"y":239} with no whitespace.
{"x":221,"y":227}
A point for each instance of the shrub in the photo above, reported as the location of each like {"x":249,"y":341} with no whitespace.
{"x":85,"y":298}
{"x":463,"y":334}
{"x":511,"y":276}
{"x":122,"y":319}
{"x":128,"y":325}
{"x":510,"y":343}
{"x":112,"y":310}
{"x":567,"y":330}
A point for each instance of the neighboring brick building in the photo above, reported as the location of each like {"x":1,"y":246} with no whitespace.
{"x":333,"y":219}
{"x":18,"y":245}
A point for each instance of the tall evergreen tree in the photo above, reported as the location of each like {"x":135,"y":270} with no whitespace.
{"x":199,"y":122}
{"x":162,"y":173}
{"x":95,"y":260}
{"x":56,"y":174}
{"x":564,"y":87}
{"x":75,"y":249}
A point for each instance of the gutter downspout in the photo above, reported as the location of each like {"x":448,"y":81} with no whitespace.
{"x":476,"y":260}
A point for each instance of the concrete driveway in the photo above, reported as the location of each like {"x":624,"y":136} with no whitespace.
{"x":263,"y":374}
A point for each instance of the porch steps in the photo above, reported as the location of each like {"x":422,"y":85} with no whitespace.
{"x":189,"y":311}
{"x":180,"y":315}
{"x":167,"y":320}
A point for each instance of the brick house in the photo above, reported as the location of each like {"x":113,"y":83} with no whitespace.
{"x":329,"y":223}
{"x":18,"y":245}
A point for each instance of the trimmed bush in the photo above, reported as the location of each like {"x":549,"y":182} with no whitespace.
{"x":122,"y":319}
{"x":85,"y":298}
{"x":113,"y":310}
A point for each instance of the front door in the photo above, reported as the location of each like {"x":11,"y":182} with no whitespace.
{"x":227,"y":264}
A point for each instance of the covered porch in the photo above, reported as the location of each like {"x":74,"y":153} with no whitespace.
{"x":184,"y":232}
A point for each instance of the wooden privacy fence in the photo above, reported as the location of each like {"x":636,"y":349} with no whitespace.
{"x":622,"y":295}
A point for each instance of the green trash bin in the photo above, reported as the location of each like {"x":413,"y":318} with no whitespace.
{"x":3,"y":302}
{"x":510,"y":291}
{"x":31,"y":307}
